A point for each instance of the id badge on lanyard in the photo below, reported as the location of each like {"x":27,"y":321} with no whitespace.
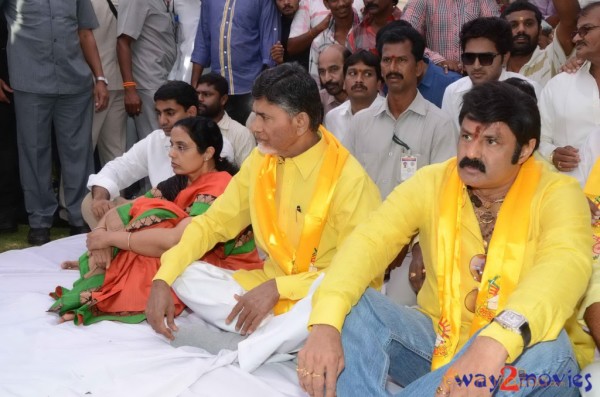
{"x":408,"y":162}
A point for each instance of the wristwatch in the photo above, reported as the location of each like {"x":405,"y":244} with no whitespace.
{"x":103,"y":79}
{"x":516,"y":323}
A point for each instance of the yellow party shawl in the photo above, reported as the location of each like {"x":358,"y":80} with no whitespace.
{"x":592,"y":191}
{"x":294,"y":260}
{"x":504,"y":257}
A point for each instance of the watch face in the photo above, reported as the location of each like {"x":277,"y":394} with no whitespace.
{"x":514,"y":320}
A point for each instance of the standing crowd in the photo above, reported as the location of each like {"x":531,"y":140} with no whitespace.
{"x":446,"y":153}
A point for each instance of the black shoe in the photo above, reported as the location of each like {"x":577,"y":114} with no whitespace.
{"x":38,"y":235}
{"x":79,"y":230}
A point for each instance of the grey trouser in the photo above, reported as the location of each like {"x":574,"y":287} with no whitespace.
{"x":72,"y":119}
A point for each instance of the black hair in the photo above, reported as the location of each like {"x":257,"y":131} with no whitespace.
{"x":366,"y":57}
{"x":497,"y":101}
{"x":179,"y":91}
{"x":290,"y":87}
{"x":205,"y":133}
{"x":495,"y":29}
{"x":399,"y":34}
{"x":523,"y":5}
{"x":215,"y":80}
{"x":523,"y":85}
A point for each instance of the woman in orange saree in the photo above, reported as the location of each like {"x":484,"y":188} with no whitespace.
{"x":124,"y":250}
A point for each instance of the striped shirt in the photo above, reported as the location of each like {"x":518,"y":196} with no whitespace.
{"x":440,"y":22}
{"x":545,"y":64}
{"x":362,"y":37}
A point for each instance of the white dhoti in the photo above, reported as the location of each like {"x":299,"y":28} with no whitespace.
{"x":209,"y":291}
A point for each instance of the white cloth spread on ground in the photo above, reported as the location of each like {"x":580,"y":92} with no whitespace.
{"x":42,"y":357}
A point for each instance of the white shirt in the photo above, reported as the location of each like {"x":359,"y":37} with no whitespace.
{"x":147,"y":158}
{"x":338,"y":120}
{"x":311,"y":12}
{"x":570,"y":110}
{"x":423,"y":127}
{"x":240,"y":137}
{"x":589,"y":153}
{"x":188,"y":16}
{"x":453,"y":96}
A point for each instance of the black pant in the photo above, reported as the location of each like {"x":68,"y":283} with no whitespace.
{"x":238,"y":107}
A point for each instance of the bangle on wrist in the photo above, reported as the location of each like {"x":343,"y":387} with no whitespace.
{"x":100,"y":227}
{"x":129,"y":242}
{"x":129,"y":84}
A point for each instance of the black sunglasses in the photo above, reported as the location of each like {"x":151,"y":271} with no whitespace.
{"x":485,"y":58}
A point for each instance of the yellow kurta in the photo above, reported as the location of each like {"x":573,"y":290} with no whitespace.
{"x":355,"y":196}
{"x":554,"y":276}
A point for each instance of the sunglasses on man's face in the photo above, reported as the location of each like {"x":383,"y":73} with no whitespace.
{"x":485,"y":58}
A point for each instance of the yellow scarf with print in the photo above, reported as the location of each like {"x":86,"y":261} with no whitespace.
{"x":504,"y":256}
{"x":300,"y":259}
{"x":592,"y":191}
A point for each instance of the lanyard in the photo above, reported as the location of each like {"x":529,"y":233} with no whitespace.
{"x":400,"y":142}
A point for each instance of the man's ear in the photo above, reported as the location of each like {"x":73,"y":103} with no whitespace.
{"x":301,"y":123}
{"x":420,"y":68}
{"x":505,"y":59}
{"x":192,"y":111}
{"x":224,"y":100}
{"x":527,"y":151}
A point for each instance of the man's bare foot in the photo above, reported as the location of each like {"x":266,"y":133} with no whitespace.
{"x":70,"y":265}
{"x":66,"y":317}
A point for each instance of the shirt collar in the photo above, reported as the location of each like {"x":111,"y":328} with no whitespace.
{"x":418,"y":106}
{"x":307,"y":161}
{"x":224,"y":122}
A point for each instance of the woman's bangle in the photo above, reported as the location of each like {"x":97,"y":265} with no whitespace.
{"x":100,"y":227}
{"x":129,"y":241}
{"x":129,"y":84}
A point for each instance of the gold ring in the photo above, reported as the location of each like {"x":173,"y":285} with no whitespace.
{"x":303,"y":372}
{"x":315,"y":375}
{"x":440,"y":390}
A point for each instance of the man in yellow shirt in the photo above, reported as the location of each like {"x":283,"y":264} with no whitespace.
{"x":506,"y":246}
{"x":301,"y":191}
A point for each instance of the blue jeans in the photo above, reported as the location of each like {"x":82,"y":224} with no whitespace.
{"x":382,"y":339}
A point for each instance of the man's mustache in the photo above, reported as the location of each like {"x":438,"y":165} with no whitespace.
{"x":357,"y":86}
{"x":473,"y":163}
{"x":394,"y":74}
{"x":521,"y":36}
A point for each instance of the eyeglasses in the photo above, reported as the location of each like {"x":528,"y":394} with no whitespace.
{"x":179,"y":148}
{"x":485,"y":58}
{"x":476,"y":267}
{"x":583,"y":31}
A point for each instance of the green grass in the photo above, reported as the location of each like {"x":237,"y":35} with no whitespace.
{"x":18,"y":240}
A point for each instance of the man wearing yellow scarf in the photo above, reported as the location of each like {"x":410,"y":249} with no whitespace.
{"x":302,"y":193}
{"x":506,"y":245}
